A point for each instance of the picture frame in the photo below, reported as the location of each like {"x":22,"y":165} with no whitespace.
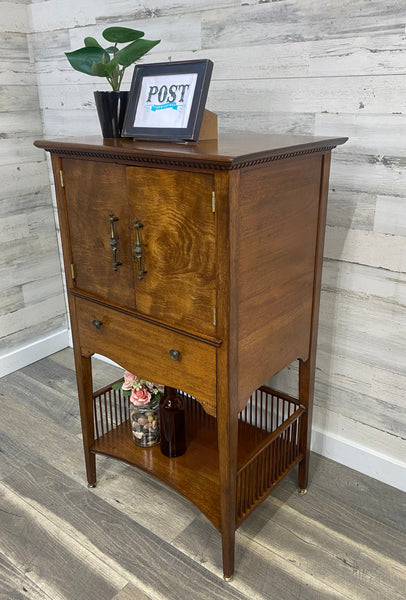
{"x":167,"y":100}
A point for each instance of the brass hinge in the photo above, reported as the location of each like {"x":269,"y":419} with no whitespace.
{"x":214,"y":316}
{"x":72,"y":270}
{"x":213,"y":202}
{"x":61,"y":178}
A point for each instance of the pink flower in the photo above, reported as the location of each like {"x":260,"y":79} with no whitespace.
{"x":141,"y":396}
{"x":129,"y":380}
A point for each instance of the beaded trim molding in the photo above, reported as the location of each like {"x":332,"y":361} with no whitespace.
{"x":173,"y":162}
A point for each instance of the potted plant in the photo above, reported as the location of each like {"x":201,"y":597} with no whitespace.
{"x":144,"y":397}
{"x":111,"y":63}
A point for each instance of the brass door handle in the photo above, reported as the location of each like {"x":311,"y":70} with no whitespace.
{"x":138,"y":248}
{"x":113,"y":242}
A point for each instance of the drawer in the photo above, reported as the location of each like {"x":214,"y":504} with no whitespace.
{"x":148,"y":349}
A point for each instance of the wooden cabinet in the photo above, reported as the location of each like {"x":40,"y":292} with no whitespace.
{"x":198,"y":266}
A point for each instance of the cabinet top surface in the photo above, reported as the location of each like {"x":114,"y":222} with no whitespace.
{"x":229,"y":151}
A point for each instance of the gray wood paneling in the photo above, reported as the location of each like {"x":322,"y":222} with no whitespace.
{"x":298,"y":20}
{"x":31,"y":292}
{"x":11,"y":299}
{"x":20,"y":123}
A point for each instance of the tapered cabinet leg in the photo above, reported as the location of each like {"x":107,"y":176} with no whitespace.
{"x":303,"y":477}
{"x":228,"y":548}
{"x":85,"y":392}
{"x":227,"y":439}
{"x":306,"y":390}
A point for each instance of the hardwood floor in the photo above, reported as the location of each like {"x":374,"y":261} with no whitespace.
{"x":132,"y":538}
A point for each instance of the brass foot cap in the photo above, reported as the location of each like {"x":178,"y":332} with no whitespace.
{"x":91,"y":485}
{"x":302,"y":490}
{"x":228,"y":578}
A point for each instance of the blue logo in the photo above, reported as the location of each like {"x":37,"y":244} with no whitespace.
{"x":156,"y":107}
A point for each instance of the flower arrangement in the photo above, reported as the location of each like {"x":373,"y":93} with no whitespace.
{"x":144,"y":399}
{"x":140,"y":391}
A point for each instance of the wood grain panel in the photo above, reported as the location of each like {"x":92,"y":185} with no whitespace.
{"x":373,"y":95}
{"x":18,"y":150}
{"x":12,"y":74}
{"x":369,"y":342}
{"x":178,"y":244}
{"x":390,"y":215}
{"x":349,"y":210}
{"x":22,"y":123}
{"x":298,"y":20}
{"x":15,"y":18}
{"x":88,"y":214}
{"x":366,"y":54}
{"x":278,"y":225}
{"x":14,"y":46}
{"x":385,"y":175}
{"x":22,"y":179}
{"x":368,"y":135}
{"x":367,"y":248}
{"x":18,"y":97}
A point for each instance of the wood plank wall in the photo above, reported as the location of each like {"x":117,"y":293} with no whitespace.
{"x":32,"y":305}
{"x":300,"y":66}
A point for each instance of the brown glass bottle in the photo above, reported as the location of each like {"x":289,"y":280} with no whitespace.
{"x":172,"y":419}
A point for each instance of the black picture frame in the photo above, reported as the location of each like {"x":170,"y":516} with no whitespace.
{"x":182,"y":94}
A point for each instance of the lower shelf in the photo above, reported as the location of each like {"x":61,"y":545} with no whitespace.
{"x":268,"y":447}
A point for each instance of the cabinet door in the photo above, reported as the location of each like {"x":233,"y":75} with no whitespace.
{"x":177,"y":240}
{"x":97,"y":213}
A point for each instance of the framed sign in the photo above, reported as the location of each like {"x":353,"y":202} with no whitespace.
{"x":167,"y":100}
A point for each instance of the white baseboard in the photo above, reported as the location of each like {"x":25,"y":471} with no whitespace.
{"x":360,"y":458}
{"x":21,"y":357}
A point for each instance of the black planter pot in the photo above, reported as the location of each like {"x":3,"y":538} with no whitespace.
{"x":111,"y":107}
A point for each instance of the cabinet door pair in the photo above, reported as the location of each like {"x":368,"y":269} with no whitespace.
{"x":144,"y":238}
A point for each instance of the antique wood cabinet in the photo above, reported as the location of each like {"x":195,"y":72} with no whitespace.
{"x":198,"y":266}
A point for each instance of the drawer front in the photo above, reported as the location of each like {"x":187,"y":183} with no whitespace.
{"x":149,"y":350}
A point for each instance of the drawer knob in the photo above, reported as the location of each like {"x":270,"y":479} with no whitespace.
{"x":97,"y":324}
{"x":174,"y":354}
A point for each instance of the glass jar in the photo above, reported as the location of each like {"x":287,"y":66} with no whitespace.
{"x":144,"y":421}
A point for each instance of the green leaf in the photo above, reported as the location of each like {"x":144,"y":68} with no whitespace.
{"x":117,"y":385}
{"x":131,"y":53}
{"x":83,"y":59}
{"x":103,"y":69}
{"x":91,"y":42}
{"x":121,"y":34}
